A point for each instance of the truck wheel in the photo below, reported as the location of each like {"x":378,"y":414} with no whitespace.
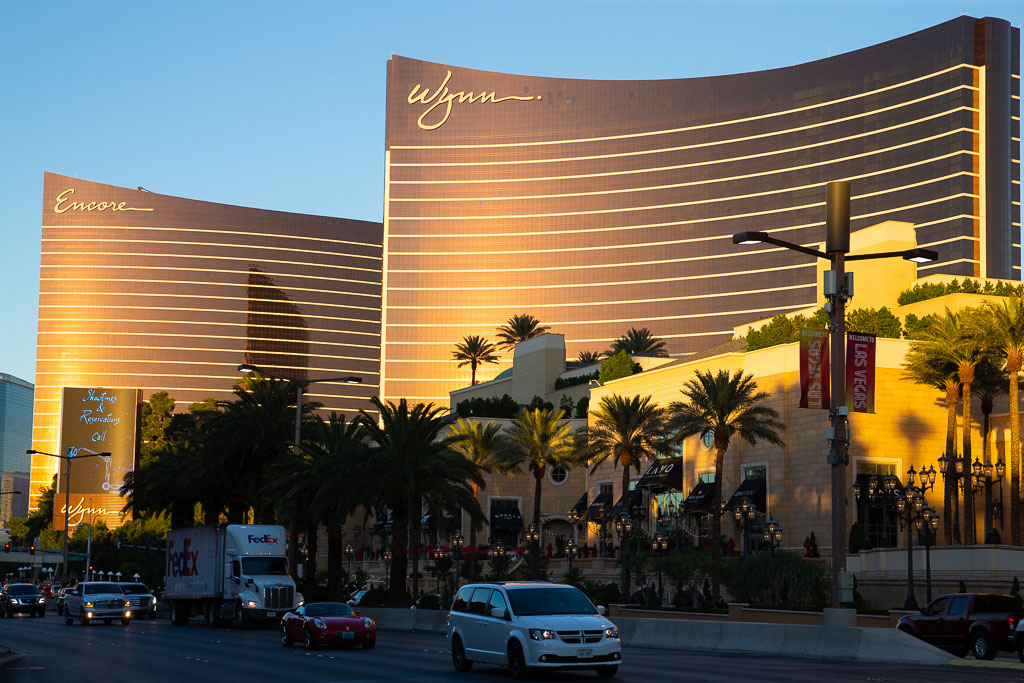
{"x":211,"y":614}
{"x":125,"y":621}
{"x":68,"y":618}
{"x":179,"y":613}
{"x":238,"y":617}
{"x":982,"y":646}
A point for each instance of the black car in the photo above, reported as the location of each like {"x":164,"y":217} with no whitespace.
{"x":22,"y":597}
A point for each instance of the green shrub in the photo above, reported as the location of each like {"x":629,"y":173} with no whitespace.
{"x":582,"y":406}
{"x":573,"y":577}
{"x":617,"y":366}
{"x":562,"y":383}
{"x":488,"y":407}
{"x":800,"y":583}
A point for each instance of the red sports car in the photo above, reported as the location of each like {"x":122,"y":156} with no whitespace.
{"x":327,"y":623}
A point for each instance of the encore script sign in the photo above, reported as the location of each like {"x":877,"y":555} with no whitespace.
{"x":442,"y":100}
{"x":65,"y":204}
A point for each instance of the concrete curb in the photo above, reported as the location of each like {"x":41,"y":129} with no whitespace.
{"x":981,"y":664}
{"x":416,"y":620}
{"x":8,"y":657}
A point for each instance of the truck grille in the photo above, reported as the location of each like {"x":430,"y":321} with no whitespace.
{"x":104,"y":604}
{"x":140,"y":601}
{"x":279,"y":597}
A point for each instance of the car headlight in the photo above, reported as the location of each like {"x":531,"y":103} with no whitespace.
{"x":319,"y":623}
{"x":368,"y":623}
{"x":542,"y":634}
{"x":14,"y":601}
{"x":611,"y":632}
{"x":42,"y":601}
{"x":89,"y":605}
{"x":252,"y":603}
{"x":127,"y":604}
{"x":154,"y":599}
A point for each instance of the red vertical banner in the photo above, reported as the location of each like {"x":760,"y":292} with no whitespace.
{"x":860,"y":372}
{"x":814,"y":378}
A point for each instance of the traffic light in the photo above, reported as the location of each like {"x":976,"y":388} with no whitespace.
{"x":7,"y":547}
{"x":31,"y":550}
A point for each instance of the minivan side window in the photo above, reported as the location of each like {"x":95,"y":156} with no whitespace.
{"x":497,"y":601}
{"x":478,"y":605}
{"x":461,"y":603}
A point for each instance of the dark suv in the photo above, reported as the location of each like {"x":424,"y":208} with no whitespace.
{"x":142,"y":599}
{"x":22,"y":597}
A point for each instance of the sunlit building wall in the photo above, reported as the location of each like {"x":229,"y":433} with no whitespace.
{"x":159,"y":293}
{"x":597,"y":206}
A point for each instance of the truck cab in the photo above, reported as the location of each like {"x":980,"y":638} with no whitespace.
{"x":256,"y":574}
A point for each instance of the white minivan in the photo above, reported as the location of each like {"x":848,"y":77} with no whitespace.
{"x":530,"y":625}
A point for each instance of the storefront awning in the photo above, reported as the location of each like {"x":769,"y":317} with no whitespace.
{"x":700,"y":499}
{"x":598,"y":510}
{"x":581,"y":505}
{"x":755,"y":490}
{"x":663,"y":475}
{"x":636,"y":500}
{"x":508,"y":519}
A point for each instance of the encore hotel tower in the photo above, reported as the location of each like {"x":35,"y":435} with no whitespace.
{"x":597,"y":206}
{"x":146,"y":291}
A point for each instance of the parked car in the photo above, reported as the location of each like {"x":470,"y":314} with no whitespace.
{"x":980,"y":623}
{"x":327,"y":623}
{"x":531,"y":625}
{"x":22,"y":597}
{"x":357,"y":598}
{"x":96,"y":600}
{"x":431,"y":601}
{"x":141,"y":598}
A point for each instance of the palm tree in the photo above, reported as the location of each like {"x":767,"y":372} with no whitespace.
{"x":539,"y":438}
{"x":519,"y":328}
{"x":479,"y":444}
{"x":590,"y":357}
{"x":473,"y":351}
{"x":410,"y":462}
{"x":174,"y":479}
{"x":1003,"y":325}
{"x":929,"y":361}
{"x":989,"y":383}
{"x":627,"y":430}
{"x":966,"y":352}
{"x":725,"y":404}
{"x":639,"y":343}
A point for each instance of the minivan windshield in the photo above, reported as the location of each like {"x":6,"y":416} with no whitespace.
{"x":549,"y":600}
{"x":262,"y":566}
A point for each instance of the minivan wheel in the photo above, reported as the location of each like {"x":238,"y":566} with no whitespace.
{"x":459,"y":661}
{"x":517,"y":661}
{"x":982,"y":646}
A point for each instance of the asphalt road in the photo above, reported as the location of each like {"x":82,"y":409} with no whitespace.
{"x":155,"y":651}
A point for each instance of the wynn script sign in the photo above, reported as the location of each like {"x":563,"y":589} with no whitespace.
{"x":96,"y":420}
{"x":65,"y":204}
{"x":442,"y":101}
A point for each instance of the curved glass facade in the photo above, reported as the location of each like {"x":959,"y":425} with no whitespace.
{"x":597,"y":206}
{"x":142,"y":290}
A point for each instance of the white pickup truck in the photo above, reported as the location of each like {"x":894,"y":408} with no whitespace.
{"x":91,"y":600}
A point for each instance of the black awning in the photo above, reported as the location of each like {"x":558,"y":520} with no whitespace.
{"x":755,"y":490}
{"x":663,"y":475}
{"x":636,"y":499}
{"x":598,"y":510}
{"x":581,"y":505}
{"x":700,"y":499}
{"x":509,"y":519}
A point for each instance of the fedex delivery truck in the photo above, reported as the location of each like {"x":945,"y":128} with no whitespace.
{"x":237,"y":572}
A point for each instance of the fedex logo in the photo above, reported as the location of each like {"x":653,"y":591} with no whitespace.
{"x":184,"y":563}
{"x":262,"y":539}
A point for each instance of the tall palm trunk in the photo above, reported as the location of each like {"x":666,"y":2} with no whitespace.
{"x":417,"y":534}
{"x":335,"y":560}
{"x":538,"y":476}
{"x":716,"y":527}
{"x":1013,"y":366}
{"x":399,"y":560}
{"x":471,"y":564}
{"x":966,"y":377}
{"x":626,"y":460}
{"x":472,"y":373}
{"x":951,"y":518}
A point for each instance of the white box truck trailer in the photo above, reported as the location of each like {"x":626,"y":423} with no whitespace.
{"x":237,"y":572}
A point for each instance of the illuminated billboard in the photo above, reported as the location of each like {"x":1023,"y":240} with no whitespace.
{"x":95,"y":420}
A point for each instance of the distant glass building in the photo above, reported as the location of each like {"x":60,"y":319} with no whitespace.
{"x":146,"y":291}
{"x":597,"y":206}
{"x":15,"y":439}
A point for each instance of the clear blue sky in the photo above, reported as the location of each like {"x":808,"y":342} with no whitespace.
{"x":281,"y":105}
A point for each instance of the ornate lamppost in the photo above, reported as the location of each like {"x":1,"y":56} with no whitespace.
{"x":912,"y":502}
{"x":356,"y":530}
{"x":983,"y":479}
{"x":623,"y":526}
{"x":438,"y":555}
{"x":931,"y":525}
{"x":773,"y":537}
{"x":387,"y":566}
{"x":572,"y":551}
{"x":457,"y":542}
{"x":350,"y":551}
{"x":659,"y":544}
{"x":532,"y":536}
{"x":498,"y":559}
{"x":574,"y":518}
{"x":745,"y":513}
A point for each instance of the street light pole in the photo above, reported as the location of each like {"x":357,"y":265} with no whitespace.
{"x":67,"y":492}
{"x":457,"y":541}
{"x":837,"y":290}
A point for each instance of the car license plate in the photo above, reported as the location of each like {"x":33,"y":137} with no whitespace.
{"x":271,"y":614}
{"x":348,"y":635}
{"x":585,"y":653}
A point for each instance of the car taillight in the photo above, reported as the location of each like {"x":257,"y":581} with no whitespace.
{"x":1011,"y":624}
